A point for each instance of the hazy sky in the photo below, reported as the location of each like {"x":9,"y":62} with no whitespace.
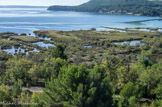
{"x":42,"y":2}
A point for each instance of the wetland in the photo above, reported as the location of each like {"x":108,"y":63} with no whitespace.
{"x":57,"y":58}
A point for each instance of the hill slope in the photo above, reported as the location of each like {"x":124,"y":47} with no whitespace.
{"x":135,"y":7}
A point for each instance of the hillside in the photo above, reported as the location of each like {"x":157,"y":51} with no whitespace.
{"x":134,"y":7}
{"x":87,"y":68}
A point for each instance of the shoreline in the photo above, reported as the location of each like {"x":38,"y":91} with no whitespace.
{"x":108,"y":13}
{"x":105,"y":28}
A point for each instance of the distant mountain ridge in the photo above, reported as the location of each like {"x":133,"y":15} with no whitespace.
{"x":133,"y":7}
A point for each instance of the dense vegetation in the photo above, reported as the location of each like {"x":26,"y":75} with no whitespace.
{"x":135,"y":7}
{"x":85,"y":69}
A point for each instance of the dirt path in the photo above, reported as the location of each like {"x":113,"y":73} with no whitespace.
{"x":31,"y":89}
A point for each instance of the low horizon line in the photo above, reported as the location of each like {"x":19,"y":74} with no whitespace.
{"x":24,"y":5}
{"x":39,"y":5}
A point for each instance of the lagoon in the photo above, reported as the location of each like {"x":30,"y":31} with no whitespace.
{"x":29,"y":19}
{"x":14,"y":50}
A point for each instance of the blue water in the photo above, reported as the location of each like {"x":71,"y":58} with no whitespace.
{"x":27,"y":20}
{"x":13,"y":52}
{"x":45,"y":45}
{"x":131,"y":43}
{"x":45,"y":38}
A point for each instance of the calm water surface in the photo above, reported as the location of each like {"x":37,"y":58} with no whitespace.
{"x":45,"y":45}
{"x":131,"y":43}
{"x":27,"y":20}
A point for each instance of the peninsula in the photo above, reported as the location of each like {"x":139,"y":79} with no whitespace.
{"x":130,"y":7}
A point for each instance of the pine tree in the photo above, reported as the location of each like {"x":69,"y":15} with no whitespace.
{"x":77,"y":86}
{"x":58,"y":52}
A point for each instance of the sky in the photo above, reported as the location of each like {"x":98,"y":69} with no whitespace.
{"x":42,"y":2}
